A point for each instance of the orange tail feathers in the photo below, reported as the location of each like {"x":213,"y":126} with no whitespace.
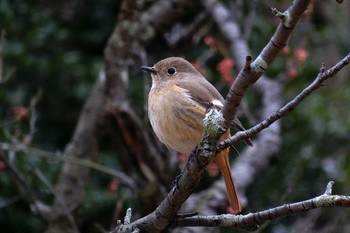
{"x":222,"y":160}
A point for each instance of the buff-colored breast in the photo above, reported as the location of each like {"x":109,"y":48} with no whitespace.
{"x":176,"y":125}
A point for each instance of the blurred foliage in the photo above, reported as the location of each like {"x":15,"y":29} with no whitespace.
{"x":56,"y":48}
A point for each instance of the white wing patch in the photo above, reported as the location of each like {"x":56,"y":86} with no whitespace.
{"x":217,"y":103}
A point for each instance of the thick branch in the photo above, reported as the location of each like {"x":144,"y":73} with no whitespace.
{"x":185,"y":184}
{"x":248,"y":165}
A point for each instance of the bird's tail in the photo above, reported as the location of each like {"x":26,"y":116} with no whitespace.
{"x":222,"y":160}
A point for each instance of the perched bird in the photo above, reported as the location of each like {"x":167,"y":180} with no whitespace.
{"x":177,"y":103}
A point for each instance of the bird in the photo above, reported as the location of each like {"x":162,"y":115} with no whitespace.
{"x":177,"y":102}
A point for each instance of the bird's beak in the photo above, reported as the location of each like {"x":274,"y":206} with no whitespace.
{"x":148,"y":69}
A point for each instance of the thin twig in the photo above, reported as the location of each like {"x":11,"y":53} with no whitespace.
{"x":290,"y":106}
{"x":252,"y":221}
{"x":22,"y":185}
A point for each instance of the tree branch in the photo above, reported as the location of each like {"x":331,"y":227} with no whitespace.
{"x":185,"y":184}
{"x":249,"y":75}
{"x":252,"y":221}
{"x":316,"y":84}
{"x":246,"y":166}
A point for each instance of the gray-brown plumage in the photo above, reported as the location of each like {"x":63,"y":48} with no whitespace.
{"x":177,"y":103}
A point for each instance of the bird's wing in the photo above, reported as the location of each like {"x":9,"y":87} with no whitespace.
{"x":201,"y":91}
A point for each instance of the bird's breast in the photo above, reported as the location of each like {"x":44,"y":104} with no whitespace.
{"x":176,"y":118}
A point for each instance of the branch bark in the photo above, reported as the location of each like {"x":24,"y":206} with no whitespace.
{"x":252,"y":221}
{"x":316,"y":84}
{"x":252,"y":72}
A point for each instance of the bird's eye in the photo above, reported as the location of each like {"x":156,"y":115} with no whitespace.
{"x":171,"y":70}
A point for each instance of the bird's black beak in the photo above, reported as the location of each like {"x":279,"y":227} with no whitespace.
{"x":148,"y":69}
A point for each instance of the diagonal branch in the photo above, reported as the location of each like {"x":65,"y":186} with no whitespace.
{"x":316,"y":84}
{"x":185,"y":184}
{"x":250,"y":74}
